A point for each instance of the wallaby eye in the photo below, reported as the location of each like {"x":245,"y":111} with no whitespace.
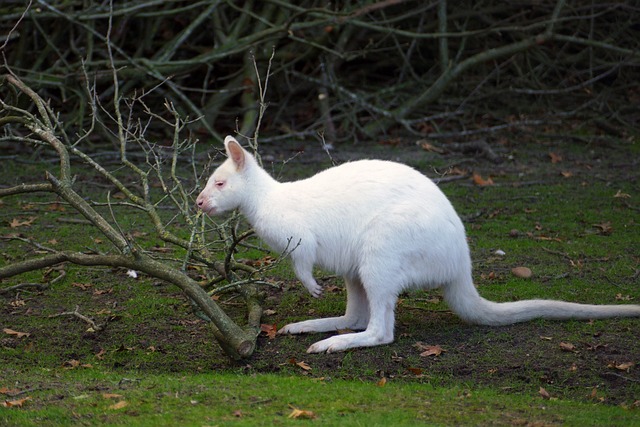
{"x":219,"y":184}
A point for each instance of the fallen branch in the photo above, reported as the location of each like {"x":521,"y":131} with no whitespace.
{"x":75,"y":313}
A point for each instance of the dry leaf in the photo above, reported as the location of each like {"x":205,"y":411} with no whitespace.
{"x":15,"y":403}
{"x":83,"y":286}
{"x":119,"y":405}
{"x":299,"y":413}
{"x":621,"y":297}
{"x":111,"y":395}
{"x":522,"y":272}
{"x":544,"y":393}
{"x":604,"y":228}
{"x":480,"y":181}
{"x":15,"y":222}
{"x":429,"y":350}
{"x":415,"y":371}
{"x":621,"y":366}
{"x":16,"y":333}
{"x":381,"y":382}
{"x":621,"y":195}
{"x":304,"y":365}
{"x":566,"y":174}
{"x":8,"y":391}
{"x":565,"y":346}
{"x":555,"y":158}
{"x":430,"y":147}
{"x":269,"y":330}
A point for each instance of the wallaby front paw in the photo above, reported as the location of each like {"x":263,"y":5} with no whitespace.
{"x":316,"y":291}
{"x":294,"y":328}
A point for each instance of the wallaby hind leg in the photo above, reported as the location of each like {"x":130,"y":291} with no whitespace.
{"x":356,"y":317}
{"x":379,"y":330}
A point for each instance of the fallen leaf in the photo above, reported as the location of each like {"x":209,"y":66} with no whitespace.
{"x":269,"y":312}
{"x":430,"y":147}
{"x":555,"y":157}
{"x":621,"y":297}
{"x":71,"y":364}
{"x":15,"y":222}
{"x":621,"y":366}
{"x":566,"y":174}
{"x":83,"y":286}
{"x":269,"y":330}
{"x":604,"y":228}
{"x":415,"y":371}
{"x":522,"y":272}
{"x":119,"y":405}
{"x":565,"y":346}
{"x":480,"y":181}
{"x":381,"y":382}
{"x":111,"y":395}
{"x":8,"y":391}
{"x":544,"y":393}
{"x":237,"y":413}
{"x":429,"y":350}
{"x":16,"y":333}
{"x":299,"y":413}
{"x":304,"y":365}
{"x":15,"y":403}
{"x":621,"y":195}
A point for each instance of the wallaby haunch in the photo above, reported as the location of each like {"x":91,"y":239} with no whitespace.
{"x":381,"y":225}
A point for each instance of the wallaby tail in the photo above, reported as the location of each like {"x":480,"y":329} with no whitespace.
{"x":464,"y":300}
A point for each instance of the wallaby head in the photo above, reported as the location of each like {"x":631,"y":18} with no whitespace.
{"x":228,"y":184}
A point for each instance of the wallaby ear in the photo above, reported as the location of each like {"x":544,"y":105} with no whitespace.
{"x":235,"y":152}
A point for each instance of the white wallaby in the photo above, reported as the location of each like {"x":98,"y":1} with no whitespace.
{"x":381,"y":225}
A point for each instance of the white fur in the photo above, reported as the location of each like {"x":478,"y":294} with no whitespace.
{"x":385,"y":228}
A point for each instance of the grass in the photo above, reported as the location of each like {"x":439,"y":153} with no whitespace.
{"x":162,"y":361}
{"x":91,"y":396}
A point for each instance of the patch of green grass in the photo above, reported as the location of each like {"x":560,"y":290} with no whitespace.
{"x":93,"y":397}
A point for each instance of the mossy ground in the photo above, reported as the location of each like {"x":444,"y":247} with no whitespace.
{"x":573,"y":222}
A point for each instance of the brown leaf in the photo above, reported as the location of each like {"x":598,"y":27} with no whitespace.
{"x":381,"y":382}
{"x":621,"y":195}
{"x":16,"y":333}
{"x":429,"y":350}
{"x":522,"y":272}
{"x":8,"y":391}
{"x":304,"y":365}
{"x":555,"y":157}
{"x":621,"y":366}
{"x":565,"y":346}
{"x":83,"y":286}
{"x":269,"y":330}
{"x":566,"y":174}
{"x":415,"y":371}
{"x":111,"y":395}
{"x":430,"y":147}
{"x":621,"y":297}
{"x":119,"y":405}
{"x":15,"y":403}
{"x":299,"y":413}
{"x":604,"y":228}
{"x":544,"y":393}
{"x":15,"y":222}
{"x":480,"y":181}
